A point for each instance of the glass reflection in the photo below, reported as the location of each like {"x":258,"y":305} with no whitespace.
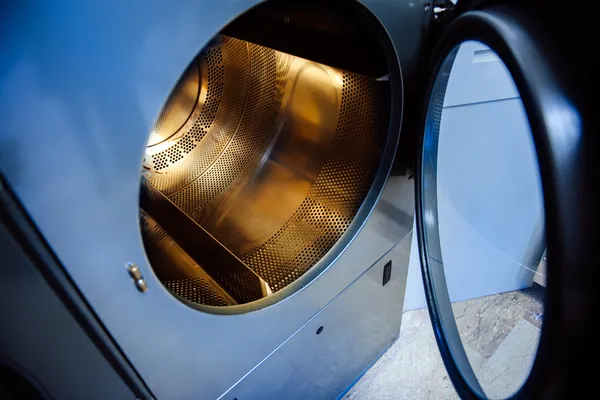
{"x":484,"y":216}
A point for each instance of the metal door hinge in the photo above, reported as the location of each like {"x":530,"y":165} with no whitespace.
{"x":442,"y":10}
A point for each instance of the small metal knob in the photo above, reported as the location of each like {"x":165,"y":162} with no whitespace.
{"x":138,"y":279}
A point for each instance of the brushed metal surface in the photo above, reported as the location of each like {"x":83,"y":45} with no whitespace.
{"x":298,"y":143}
{"x":330,"y":351}
{"x":304,"y":141}
{"x":42,"y":337}
{"x":223,"y":266}
{"x":98,"y":111}
{"x":179,"y":107}
{"x":179,"y":273}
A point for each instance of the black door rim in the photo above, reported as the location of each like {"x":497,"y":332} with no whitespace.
{"x":557,"y":128}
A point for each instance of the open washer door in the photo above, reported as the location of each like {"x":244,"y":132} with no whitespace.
{"x":502,"y":180}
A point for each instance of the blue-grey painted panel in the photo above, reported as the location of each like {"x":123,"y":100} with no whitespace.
{"x":489,"y":195}
{"x":414,"y":297}
{"x":478,"y":75}
{"x":358,"y":326}
{"x":81,"y":85}
{"x":490,"y":207}
{"x":41,"y":337}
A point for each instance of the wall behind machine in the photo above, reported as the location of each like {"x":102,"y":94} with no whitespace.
{"x":485,"y":213}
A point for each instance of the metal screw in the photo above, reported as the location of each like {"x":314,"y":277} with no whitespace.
{"x":136,"y":275}
{"x":141,"y":285}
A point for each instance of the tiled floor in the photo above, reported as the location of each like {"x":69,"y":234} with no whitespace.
{"x":500,"y":334}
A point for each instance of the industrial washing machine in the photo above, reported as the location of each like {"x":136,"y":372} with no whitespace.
{"x":214,"y":199}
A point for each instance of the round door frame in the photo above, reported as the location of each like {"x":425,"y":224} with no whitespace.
{"x":522,"y":43}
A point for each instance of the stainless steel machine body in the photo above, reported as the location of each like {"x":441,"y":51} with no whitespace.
{"x":273,"y":162}
{"x":98,"y":83}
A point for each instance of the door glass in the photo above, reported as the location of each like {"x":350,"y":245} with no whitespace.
{"x":483,"y":220}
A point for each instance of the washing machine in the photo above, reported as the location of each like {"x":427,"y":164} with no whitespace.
{"x":215,"y":199}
